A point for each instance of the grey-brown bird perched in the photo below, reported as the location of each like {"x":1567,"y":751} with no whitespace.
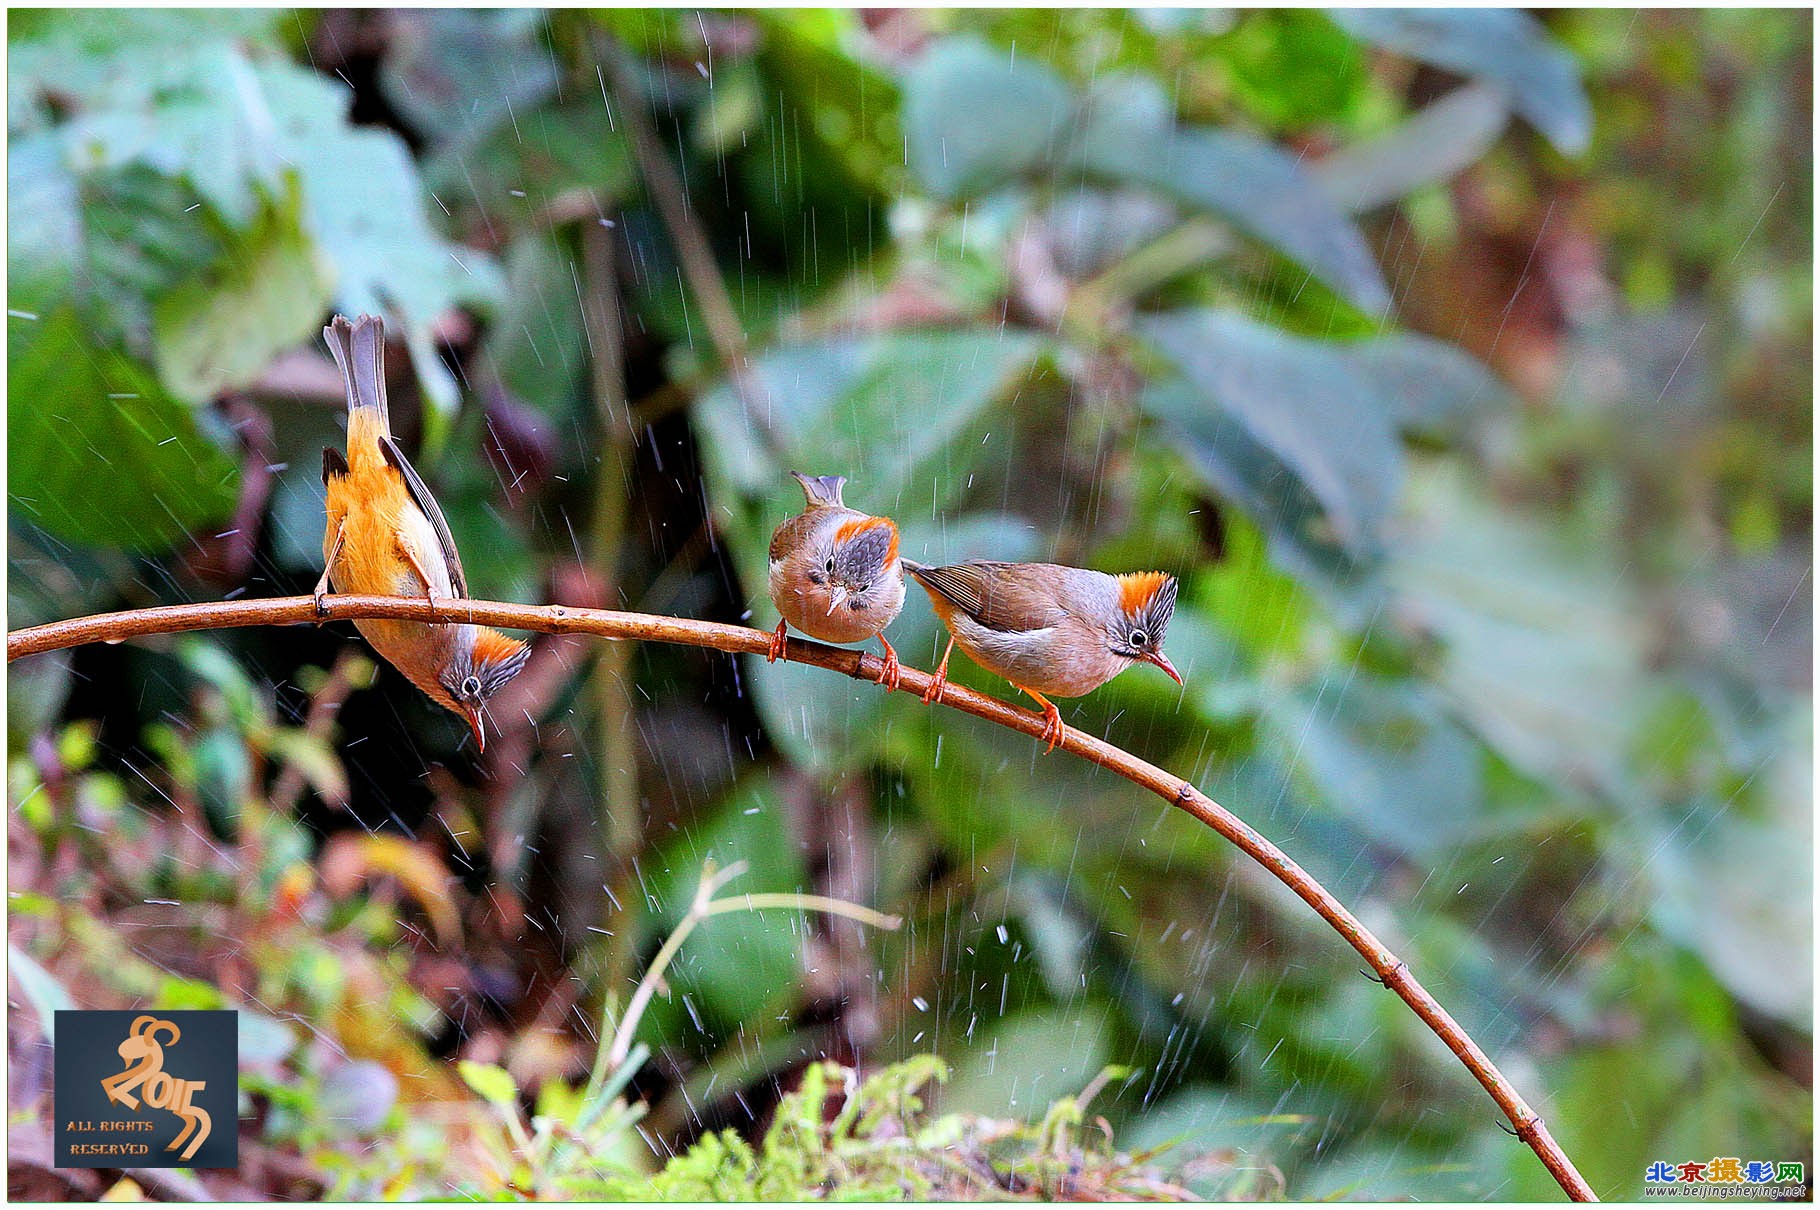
{"x":835,"y":574}
{"x":1049,"y":629}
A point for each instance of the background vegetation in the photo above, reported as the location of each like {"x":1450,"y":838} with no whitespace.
{"x":1458,"y":363}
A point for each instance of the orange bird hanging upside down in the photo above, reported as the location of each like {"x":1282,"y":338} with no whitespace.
{"x":387,"y":537}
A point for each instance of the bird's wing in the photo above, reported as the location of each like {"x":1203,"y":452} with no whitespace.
{"x":420,"y":493}
{"x":333,"y":464}
{"x":995,"y":600}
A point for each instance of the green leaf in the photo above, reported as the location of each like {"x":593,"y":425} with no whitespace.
{"x":1017,"y":1065}
{"x":101,"y":456}
{"x":494,"y":1085}
{"x":1304,"y":401}
{"x":43,"y":223}
{"x":79,"y":32}
{"x":1127,"y":132}
{"x":511,"y":175}
{"x":184,"y":106}
{"x":144,"y":234}
{"x":1505,"y":46}
{"x":1737,"y":886}
{"x":975,"y":119}
{"x":739,"y":966}
{"x":366,"y":212}
{"x":1384,"y":756}
{"x":1544,"y":646}
{"x":1430,"y":147}
{"x":315,"y":758}
{"x":538,"y":344}
{"x":219,"y":329}
{"x":455,"y":74}
{"x":851,"y":107}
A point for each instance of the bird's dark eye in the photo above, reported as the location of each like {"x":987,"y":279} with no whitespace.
{"x":830,"y":567}
{"x":1139,"y":638}
{"x":471,"y":687}
{"x":862,"y":588}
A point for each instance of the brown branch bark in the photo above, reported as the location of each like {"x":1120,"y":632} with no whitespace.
{"x":611,"y":624}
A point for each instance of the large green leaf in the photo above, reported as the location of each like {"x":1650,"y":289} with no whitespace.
{"x":1127,"y":131}
{"x":195,"y":104}
{"x":1430,"y":147}
{"x":1304,"y":434}
{"x":1305,"y":401}
{"x":1017,"y":1066}
{"x":43,"y":224}
{"x":1736,"y":885}
{"x":456,"y":73}
{"x":98,"y":454}
{"x":366,"y":212}
{"x":184,"y":106}
{"x":219,"y":329}
{"x":1543,"y":646}
{"x":1385,"y":756}
{"x":1505,"y":46}
{"x":510,"y":177}
{"x":975,"y":119}
{"x":742,"y":964}
{"x":538,"y":345}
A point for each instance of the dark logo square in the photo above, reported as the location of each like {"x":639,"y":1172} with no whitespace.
{"x":147,"y":1089}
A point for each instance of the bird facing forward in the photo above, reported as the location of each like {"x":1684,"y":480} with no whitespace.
{"x":835,"y":573}
{"x":1049,"y":629}
{"x":387,"y":537}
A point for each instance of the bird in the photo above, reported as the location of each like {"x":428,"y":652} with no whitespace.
{"x":1049,"y":629}
{"x":386,"y":536}
{"x":835,"y":574}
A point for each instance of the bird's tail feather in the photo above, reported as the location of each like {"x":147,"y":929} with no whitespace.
{"x":359,"y":349}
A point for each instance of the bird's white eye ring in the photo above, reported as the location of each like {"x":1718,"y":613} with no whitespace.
{"x":1139,"y":638}
{"x":830,"y":567}
{"x":471,"y":686}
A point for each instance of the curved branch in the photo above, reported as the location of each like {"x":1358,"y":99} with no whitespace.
{"x":611,"y":624}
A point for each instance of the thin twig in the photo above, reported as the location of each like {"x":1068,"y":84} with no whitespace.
{"x":718,"y":636}
{"x":667,"y":194}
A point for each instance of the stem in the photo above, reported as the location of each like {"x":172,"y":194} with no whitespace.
{"x":622,"y":820}
{"x":667,"y":194}
{"x":760,"y":900}
{"x":862,"y":665}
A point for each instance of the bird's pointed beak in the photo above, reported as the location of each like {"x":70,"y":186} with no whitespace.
{"x":837,"y":596}
{"x":1162,"y":661}
{"x":477,"y":721}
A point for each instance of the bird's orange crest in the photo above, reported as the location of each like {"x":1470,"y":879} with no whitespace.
{"x":492,"y":648}
{"x":1138,"y":588}
{"x":853,"y":529}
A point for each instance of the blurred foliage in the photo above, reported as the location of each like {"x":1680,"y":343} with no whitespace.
{"x":1458,"y":363}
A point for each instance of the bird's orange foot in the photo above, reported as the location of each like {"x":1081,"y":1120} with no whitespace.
{"x":1053,"y":727}
{"x":777,"y":644}
{"x":937,"y":685}
{"x":893,"y":672}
